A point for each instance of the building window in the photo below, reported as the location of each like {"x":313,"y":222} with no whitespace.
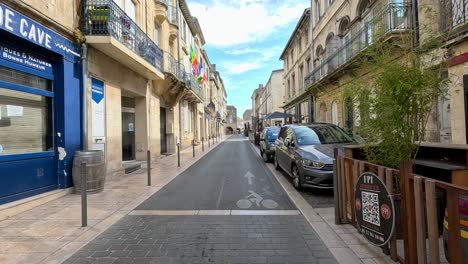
{"x":334,"y":113}
{"x":304,"y":108}
{"x":293,"y":88}
{"x":289,"y":89}
{"x":130,"y":9}
{"x":25,"y":117}
{"x":301,"y":77}
{"x":317,"y":10}
{"x":156,"y":34}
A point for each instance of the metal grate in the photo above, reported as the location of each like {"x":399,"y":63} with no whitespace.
{"x":453,"y":13}
{"x":24,"y":79}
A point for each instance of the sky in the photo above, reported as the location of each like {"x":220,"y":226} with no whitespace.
{"x":245,"y":39}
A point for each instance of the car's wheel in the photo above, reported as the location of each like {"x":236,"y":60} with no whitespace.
{"x":277,"y":166}
{"x":297,"y":183}
{"x":265,"y":156}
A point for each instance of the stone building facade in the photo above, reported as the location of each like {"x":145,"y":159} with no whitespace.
{"x":132,"y":61}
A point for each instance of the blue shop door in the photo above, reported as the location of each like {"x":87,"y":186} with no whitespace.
{"x":27,"y":152}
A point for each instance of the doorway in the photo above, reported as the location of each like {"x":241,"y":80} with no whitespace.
{"x":162,"y":120}
{"x":128,"y":128}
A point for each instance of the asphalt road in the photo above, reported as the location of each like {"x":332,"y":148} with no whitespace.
{"x":230,"y":177}
{"x":317,"y":198}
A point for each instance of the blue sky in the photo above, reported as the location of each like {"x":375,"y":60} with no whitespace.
{"x":245,"y":38}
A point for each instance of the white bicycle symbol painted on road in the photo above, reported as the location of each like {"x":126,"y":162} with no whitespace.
{"x":252,"y":198}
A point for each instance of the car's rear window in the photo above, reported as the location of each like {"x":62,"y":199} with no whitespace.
{"x":272,"y":135}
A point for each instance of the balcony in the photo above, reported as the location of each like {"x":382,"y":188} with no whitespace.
{"x":176,"y":71}
{"x":453,"y":15}
{"x":195,"y":87}
{"x":108,"y":29}
{"x":171,"y":66}
{"x":392,"y":19}
{"x":161,"y":10}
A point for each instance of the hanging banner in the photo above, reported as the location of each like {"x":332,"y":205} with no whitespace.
{"x":375,"y":212}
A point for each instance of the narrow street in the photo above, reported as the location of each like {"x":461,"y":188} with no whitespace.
{"x":226,"y":208}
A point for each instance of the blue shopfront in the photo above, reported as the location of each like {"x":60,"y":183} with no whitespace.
{"x":40,"y":126}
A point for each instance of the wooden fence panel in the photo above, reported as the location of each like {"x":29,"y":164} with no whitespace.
{"x":420,"y":219}
{"x":432,"y":230}
{"x":454,"y":227}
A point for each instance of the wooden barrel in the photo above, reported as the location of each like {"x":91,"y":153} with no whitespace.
{"x":95,"y":170}
{"x":463,"y":211}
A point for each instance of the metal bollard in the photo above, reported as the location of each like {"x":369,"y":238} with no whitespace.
{"x":193,"y":147}
{"x":209,"y":142}
{"x":202,"y":144}
{"x":148,"y":165}
{"x":178,"y":155}
{"x":335,"y":198}
{"x":84,"y":201}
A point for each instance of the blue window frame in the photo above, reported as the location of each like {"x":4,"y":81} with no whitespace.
{"x":26,"y":114}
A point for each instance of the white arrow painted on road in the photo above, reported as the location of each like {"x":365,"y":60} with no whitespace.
{"x":249,"y":176}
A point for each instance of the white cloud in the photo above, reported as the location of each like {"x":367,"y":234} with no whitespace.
{"x":230,"y":23}
{"x":254,"y":62}
{"x":238,"y":68}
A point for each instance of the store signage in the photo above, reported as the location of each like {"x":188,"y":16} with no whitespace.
{"x":97,"y":90}
{"x":24,"y":58}
{"x":28,"y":29}
{"x":98,"y":112}
{"x":375,"y":212}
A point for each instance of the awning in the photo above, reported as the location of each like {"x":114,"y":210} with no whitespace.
{"x":276,"y":115}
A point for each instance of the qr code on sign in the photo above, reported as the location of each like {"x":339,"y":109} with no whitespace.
{"x":370,"y":208}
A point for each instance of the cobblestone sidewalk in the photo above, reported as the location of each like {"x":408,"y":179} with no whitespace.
{"x":50,"y":233}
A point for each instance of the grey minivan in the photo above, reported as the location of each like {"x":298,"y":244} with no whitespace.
{"x":306,"y":153}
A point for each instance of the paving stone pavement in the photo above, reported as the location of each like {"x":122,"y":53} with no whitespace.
{"x":206,"y":239}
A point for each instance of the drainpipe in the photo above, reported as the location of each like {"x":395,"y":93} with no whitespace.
{"x":84,"y":98}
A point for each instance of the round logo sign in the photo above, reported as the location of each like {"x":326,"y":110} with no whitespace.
{"x":375,"y":212}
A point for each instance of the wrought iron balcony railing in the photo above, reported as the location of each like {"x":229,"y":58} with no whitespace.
{"x":173,"y":15}
{"x":194,"y":86}
{"x":392,"y":18}
{"x":174,"y":67}
{"x":106,"y":18}
{"x":171,"y":65}
{"x":453,"y":13}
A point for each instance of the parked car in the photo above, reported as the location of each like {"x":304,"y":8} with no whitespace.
{"x":267,"y":142}
{"x":306,"y":153}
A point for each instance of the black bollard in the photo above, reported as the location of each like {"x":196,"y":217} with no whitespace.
{"x":148,"y":165}
{"x":193,"y":147}
{"x":178,"y":154}
{"x":84,"y":201}
{"x":202,"y":144}
{"x":209,"y":142}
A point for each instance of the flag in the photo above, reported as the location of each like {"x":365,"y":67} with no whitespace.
{"x":193,"y":55}
{"x":195,"y":67}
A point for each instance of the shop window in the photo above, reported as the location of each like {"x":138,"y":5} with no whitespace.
{"x":25,"y":122}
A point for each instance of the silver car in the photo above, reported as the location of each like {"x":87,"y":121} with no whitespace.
{"x":306,"y":153}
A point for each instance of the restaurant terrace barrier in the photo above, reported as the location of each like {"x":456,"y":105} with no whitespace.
{"x":417,"y":206}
